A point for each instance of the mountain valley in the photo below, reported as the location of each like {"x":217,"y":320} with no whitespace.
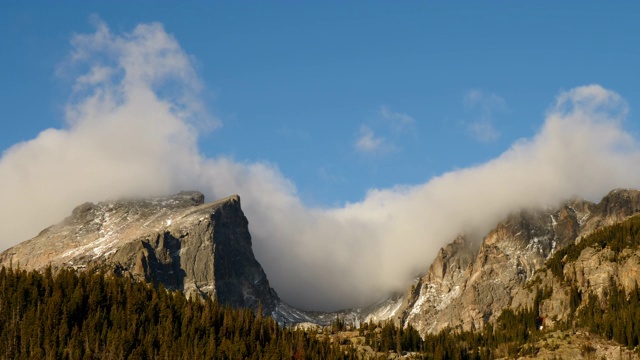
{"x":569,"y":254}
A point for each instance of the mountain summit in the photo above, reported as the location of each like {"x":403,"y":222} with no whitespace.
{"x":178,"y":241}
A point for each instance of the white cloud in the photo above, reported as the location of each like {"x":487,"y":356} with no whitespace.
{"x":126,"y":137}
{"x":146,"y":59}
{"x":398,"y":121}
{"x":367,"y":142}
{"x":486,"y":104}
{"x":396,"y":124}
{"x":122,"y":139}
{"x":591,"y":100}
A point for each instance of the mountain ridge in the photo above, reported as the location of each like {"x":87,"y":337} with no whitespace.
{"x":205,"y":249}
{"x":467,"y":290}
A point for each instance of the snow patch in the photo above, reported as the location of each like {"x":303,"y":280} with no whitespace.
{"x":386,"y":311}
{"x":285,"y":314}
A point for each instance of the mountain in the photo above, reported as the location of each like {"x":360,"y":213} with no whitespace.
{"x":205,"y":249}
{"x":606,"y":259}
{"x":468,"y":286}
{"x":178,"y":241}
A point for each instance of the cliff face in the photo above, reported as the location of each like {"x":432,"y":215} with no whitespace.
{"x":466,"y":288}
{"x":179,"y":241}
{"x":591,"y":266}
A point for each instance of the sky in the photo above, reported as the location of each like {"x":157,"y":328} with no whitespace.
{"x":361,"y":136}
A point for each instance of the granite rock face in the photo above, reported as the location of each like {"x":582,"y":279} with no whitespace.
{"x":591,"y":273}
{"x":464,"y":288}
{"x":179,"y":241}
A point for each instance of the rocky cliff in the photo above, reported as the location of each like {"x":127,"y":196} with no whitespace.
{"x":179,"y":241}
{"x":600,"y":260}
{"x":465,"y":288}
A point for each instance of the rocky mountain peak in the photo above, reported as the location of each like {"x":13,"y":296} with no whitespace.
{"x":466,"y":288}
{"x":619,"y":203}
{"x":179,"y":241}
{"x":614,"y":207}
{"x":85,"y":214}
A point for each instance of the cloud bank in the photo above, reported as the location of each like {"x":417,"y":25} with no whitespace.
{"x":128,"y":135}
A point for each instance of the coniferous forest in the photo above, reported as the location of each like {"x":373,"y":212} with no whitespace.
{"x":83,"y":315}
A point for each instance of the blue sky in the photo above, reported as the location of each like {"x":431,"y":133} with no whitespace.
{"x":297,"y":83}
{"x":355,"y":132}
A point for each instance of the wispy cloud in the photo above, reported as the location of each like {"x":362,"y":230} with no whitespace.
{"x":483,"y":131}
{"x":128,"y":138}
{"x":392,"y":124}
{"x":485,"y":105}
{"x":367,"y":142}
{"x":398,"y":121}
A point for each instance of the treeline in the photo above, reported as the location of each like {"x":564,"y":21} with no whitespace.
{"x":92,"y":315}
{"x":614,"y":316}
{"x":506,"y":338}
{"x":624,"y":235}
{"x":84,"y":315}
{"x":387,"y":336}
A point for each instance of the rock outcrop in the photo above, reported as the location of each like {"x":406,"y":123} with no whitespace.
{"x":591,"y":266}
{"x":179,"y":241}
{"x":466,"y":288}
